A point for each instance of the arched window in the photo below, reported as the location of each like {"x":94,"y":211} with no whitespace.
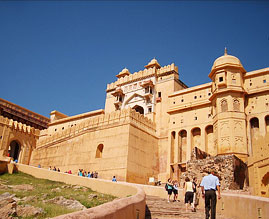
{"x":209,"y":144}
{"x":265,"y":179}
{"x":254,"y":128}
{"x":236,"y":105}
{"x":99,"y":151}
{"x":254,"y":123}
{"x":139,"y":109}
{"x":173,"y":136}
{"x":196,"y":138}
{"x":182,"y":145}
{"x":224,"y":105}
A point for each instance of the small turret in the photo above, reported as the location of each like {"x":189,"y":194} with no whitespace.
{"x":123,"y":73}
{"x":153,"y":63}
{"x":226,"y":61}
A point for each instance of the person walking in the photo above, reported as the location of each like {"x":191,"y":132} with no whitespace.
{"x":188,"y":190}
{"x":169,"y":189}
{"x":114,"y":179}
{"x":194,"y":182}
{"x":175,"y":190}
{"x":209,"y":185}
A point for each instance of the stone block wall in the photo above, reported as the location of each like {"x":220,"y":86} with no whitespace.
{"x":127,"y":139}
{"x":232,"y":171}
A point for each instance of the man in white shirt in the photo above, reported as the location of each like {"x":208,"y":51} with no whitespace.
{"x":209,"y":185}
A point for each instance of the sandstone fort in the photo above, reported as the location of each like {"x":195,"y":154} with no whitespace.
{"x":155,"y":126}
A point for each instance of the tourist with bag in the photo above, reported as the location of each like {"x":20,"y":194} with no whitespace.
{"x":169,"y":188}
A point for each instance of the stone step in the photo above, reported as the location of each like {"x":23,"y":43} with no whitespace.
{"x":158,"y":208}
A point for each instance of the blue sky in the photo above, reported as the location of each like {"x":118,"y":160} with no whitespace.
{"x":60,"y":55}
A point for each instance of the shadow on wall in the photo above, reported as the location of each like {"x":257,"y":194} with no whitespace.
{"x":240,"y":173}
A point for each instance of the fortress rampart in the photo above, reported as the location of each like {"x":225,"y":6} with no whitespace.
{"x":18,"y":126}
{"x":142,"y":75}
{"x":96,"y":123}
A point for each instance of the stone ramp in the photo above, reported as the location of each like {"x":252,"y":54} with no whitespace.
{"x":158,"y":208}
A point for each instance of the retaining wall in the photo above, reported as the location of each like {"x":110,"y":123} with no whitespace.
{"x":131,"y":204}
{"x":231,"y":205}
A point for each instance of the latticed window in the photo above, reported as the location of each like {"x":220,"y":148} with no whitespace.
{"x":236,"y":105}
{"x":224,"y":105}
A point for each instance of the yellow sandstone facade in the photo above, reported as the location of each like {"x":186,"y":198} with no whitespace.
{"x":151,"y":123}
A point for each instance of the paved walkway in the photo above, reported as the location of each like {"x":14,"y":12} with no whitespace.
{"x":158,"y":208}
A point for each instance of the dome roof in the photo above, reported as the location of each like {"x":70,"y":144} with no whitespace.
{"x":153,"y":63}
{"x":123,"y":73}
{"x":226,"y":60}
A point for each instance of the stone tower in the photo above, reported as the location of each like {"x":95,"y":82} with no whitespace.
{"x":228,"y":97}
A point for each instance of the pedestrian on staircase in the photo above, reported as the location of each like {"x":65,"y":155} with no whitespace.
{"x":169,"y":188}
{"x":209,"y":185}
{"x":188,"y":191}
{"x":175,"y":190}
{"x":195,"y":198}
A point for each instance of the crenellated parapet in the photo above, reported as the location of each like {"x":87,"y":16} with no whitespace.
{"x":146,"y":73}
{"x":119,"y":117}
{"x":167,"y":69}
{"x":19,"y":126}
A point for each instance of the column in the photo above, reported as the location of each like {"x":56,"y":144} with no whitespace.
{"x":189,"y":136}
{"x":249,"y":143}
{"x":176,"y":148}
{"x":262,"y":125}
{"x":203,"y":138}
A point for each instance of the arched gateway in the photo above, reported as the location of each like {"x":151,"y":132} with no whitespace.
{"x":14,"y":150}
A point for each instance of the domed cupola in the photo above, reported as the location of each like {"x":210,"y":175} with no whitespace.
{"x":226,"y":61}
{"x":123,"y":73}
{"x":153,"y":63}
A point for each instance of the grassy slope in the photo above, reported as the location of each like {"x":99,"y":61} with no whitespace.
{"x":42,"y":191}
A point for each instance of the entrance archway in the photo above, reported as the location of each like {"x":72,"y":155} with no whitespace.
{"x":15,"y":149}
{"x":139,"y":109}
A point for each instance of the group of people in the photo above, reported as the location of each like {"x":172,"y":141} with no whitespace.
{"x":172,"y":187}
{"x":81,"y":172}
{"x":209,"y":185}
{"x":88,"y":174}
{"x":54,"y":169}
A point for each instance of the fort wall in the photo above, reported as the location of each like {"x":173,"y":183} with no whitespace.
{"x":142,"y":161}
{"x":258,"y":165}
{"x":101,"y":144}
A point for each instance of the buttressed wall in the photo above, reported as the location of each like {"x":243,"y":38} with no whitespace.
{"x":115,"y":143}
{"x":152,"y":121}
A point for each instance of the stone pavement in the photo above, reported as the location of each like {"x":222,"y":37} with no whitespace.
{"x":158,"y":208}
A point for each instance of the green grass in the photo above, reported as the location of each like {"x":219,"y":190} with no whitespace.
{"x":42,"y":191}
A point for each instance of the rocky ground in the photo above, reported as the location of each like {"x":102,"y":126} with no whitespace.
{"x":37,"y":198}
{"x":9,"y":207}
{"x":158,"y":208}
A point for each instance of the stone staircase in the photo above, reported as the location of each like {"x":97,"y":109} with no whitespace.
{"x":158,"y":208}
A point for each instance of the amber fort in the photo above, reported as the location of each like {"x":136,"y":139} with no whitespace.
{"x":150,"y":126}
